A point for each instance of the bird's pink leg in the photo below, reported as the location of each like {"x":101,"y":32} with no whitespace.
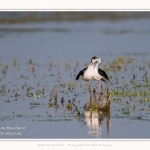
{"x":85,"y":90}
{"x":90,"y":87}
{"x":91,"y":83}
{"x":99,"y":86}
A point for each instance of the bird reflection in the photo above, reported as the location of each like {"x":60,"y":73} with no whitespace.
{"x":96,"y":111}
{"x":94,"y":119}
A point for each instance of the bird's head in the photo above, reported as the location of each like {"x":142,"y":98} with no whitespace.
{"x":97,"y":62}
{"x":93,"y":59}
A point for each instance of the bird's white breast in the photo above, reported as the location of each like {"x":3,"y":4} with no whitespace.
{"x":88,"y":74}
{"x":91,"y":73}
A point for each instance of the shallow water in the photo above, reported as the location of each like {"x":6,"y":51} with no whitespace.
{"x":58,"y":51}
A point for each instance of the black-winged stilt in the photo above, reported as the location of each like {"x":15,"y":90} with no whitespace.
{"x":93,"y":72}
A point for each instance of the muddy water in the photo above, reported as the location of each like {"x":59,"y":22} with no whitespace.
{"x":40,"y":59}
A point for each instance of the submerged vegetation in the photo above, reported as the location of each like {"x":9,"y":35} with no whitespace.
{"x":53,"y":87}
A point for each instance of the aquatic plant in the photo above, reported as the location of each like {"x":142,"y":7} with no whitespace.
{"x":14,"y":62}
{"x":129,"y":82}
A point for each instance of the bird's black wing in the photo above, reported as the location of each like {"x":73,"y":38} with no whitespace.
{"x":80,"y":73}
{"x":103,"y":73}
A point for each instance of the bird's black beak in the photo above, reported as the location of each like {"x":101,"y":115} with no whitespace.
{"x":95,"y":64}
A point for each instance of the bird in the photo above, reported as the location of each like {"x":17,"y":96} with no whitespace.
{"x":93,"y":72}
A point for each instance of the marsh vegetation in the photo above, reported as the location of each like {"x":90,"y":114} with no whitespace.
{"x":42,"y":92}
{"x":41,"y":55}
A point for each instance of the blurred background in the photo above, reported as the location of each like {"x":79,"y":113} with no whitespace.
{"x":70,"y":33}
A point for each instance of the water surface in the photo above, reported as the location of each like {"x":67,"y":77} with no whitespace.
{"x":47,"y":50}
